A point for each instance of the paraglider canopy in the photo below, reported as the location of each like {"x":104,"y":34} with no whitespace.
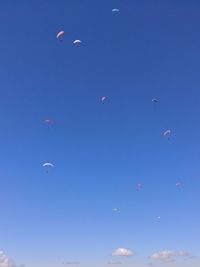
{"x":103,"y":98}
{"x":115,"y":210}
{"x":167,"y":133}
{"x":59,"y":34}
{"x":178,"y":184}
{"x":48,"y":164}
{"x":49,"y":121}
{"x":115,"y":10}
{"x":154,"y":100}
{"x":77,"y":41}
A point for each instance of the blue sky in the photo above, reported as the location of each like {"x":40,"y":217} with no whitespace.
{"x":100,"y":150}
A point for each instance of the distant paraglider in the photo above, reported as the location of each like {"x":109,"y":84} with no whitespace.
{"x":115,"y":210}
{"x":48,"y":165}
{"x":154,"y":100}
{"x":115,"y":10}
{"x":139,"y":186}
{"x":77,"y":41}
{"x":178,"y":184}
{"x":167,"y":133}
{"x":103,"y":99}
{"x":158,"y":218}
{"x":48,"y":121}
{"x":60,"y":34}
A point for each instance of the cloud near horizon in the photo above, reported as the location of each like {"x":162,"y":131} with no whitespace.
{"x":168,"y":255}
{"x":122,"y":252}
{"x":5,"y":261}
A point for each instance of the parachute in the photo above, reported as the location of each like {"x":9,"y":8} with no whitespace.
{"x":59,"y":34}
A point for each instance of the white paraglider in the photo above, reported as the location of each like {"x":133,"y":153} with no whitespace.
{"x":115,"y":10}
{"x":167,"y":133}
{"x":77,"y":41}
{"x":48,"y":164}
{"x":103,"y":98}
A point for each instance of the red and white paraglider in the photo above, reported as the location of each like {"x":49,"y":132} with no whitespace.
{"x":60,"y":34}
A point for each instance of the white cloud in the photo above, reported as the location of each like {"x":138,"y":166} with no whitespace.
{"x":168,"y":255}
{"x":5,"y":261}
{"x":122,"y":252}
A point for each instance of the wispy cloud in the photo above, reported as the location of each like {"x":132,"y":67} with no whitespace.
{"x":5,"y":261}
{"x":168,"y":255}
{"x":122,"y":252}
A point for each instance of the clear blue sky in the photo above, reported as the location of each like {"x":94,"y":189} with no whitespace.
{"x":100,"y":151}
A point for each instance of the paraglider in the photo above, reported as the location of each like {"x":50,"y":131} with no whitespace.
{"x":103,"y":99}
{"x":167,"y":133}
{"x":115,"y":210}
{"x":139,"y":186}
{"x":157,"y":219}
{"x":59,"y":34}
{"x":47,"y":166}
{"x":178,"y":184}
{"x":48,"y":121}
{"x":116,"y":10}
{"x":154,"y":100}
{"x":77,"y":41}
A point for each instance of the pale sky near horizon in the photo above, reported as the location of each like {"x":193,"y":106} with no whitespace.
{"x":101,"y":151}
